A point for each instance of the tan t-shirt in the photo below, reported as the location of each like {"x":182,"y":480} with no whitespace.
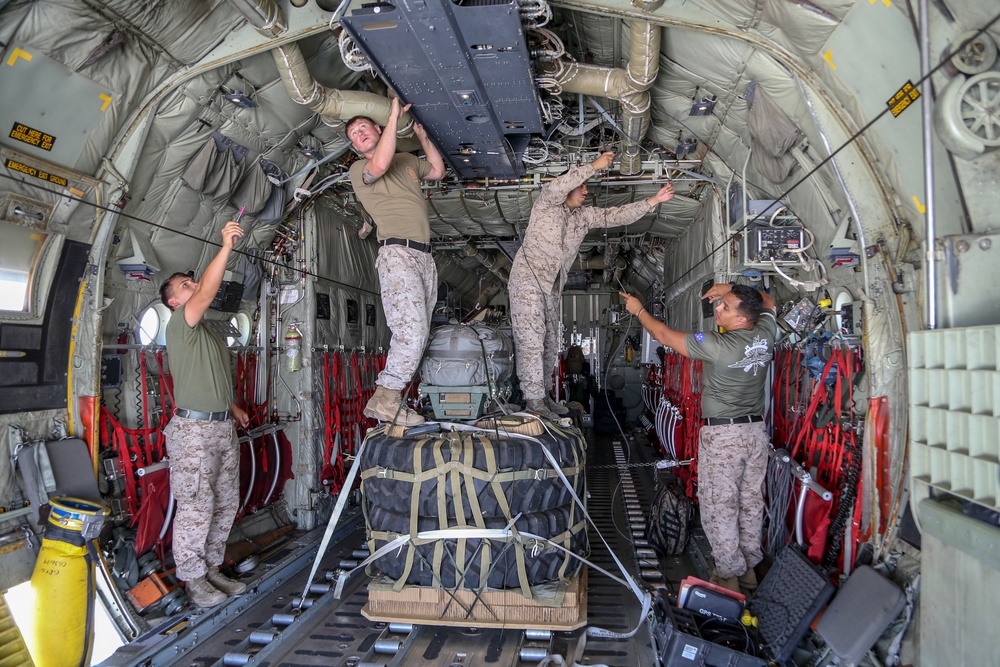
{"x":395,"y":201}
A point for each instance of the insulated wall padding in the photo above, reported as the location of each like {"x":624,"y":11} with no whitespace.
{"x":253,"y":190}
{"x":340,"y":254}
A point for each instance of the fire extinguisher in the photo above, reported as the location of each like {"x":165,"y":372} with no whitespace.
{"x":293,"y":348}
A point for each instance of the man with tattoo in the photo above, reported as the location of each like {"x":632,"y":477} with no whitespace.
{"x":387,"y":183}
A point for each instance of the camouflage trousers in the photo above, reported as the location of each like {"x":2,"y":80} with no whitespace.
{"x":205,"y":482}
{"x":408,"y":280}
{"x":732,"y":459}
{"x":534,"y":317}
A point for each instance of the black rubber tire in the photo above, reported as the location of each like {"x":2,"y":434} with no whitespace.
{"x":541,"y":567}
{"x":511,"y":453}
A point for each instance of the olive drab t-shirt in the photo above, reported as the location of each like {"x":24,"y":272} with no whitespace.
{"x":395,"y":201}
{"x":199,"y":364}
{"x":734,"y":367}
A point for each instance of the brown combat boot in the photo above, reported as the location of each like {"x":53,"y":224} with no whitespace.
{"x":556,"y":407}
{"x":223,"y":583}
{"x":538,"y":406}
{"x":748,"y":580}
{"x":386,"y":405}
{"x":730,"y":583}
{"x":204,"y":594}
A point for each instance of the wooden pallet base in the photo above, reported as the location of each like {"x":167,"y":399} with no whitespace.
{"x":558,"y":607}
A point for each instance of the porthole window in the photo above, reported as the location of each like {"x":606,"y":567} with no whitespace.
{"x":240,"y":322}
{"x":153,"y":324}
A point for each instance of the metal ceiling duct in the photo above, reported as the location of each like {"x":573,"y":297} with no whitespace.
{"x":264,"y":15}
{"x":496,"y":262}
{"x":629,"y":86}
{"x":334,"y":106}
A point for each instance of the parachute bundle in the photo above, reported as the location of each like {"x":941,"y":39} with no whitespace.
{"x":469,"y":481}
{"x":460,"y":355}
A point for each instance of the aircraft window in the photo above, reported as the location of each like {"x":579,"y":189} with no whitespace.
{"x":241,"y":322}
{"x":153,"y":324}
{"x":20,"y":248}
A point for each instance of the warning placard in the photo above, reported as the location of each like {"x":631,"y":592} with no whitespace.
{"x":903,"y":98}
{"x":30,"y":135}
{"x":37,"y":173}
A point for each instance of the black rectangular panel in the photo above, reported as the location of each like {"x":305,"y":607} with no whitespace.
{"x":20,"y":337}
{"x":18,"y":373}
{"x":467,"y":72}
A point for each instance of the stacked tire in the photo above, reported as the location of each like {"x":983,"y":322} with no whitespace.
{"x":473,"y":479}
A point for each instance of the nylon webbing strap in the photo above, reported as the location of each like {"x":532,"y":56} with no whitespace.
{"x":519,"y":538}
{"x":467,"y":470}
{"x":450,"y":477}
{"x":640,"y":594}
{"x":461,"y":465}
{"x":331,"y":525}
{"x":396,"y":542}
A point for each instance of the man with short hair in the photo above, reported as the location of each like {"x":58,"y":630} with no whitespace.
{"x":387,"y":183}
{"x":558,"y":224}
{"x":201,"y":437}
{"x":733,"y":442}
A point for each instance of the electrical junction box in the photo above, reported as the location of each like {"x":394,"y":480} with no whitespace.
{"x":228,"y":298}
{"x":764,"y":244}
{"x":649,"y":344}
{"x":849,"y":318}
{"x":765,"y":208}
{"x":111,"y":371}
{"x":230,"y":293}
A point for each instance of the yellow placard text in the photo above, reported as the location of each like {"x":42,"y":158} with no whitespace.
{"x":37,"y":173}
{"x":29,"y":135}
{"x":903,"y":98}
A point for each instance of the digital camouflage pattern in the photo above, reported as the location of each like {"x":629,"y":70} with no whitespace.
{"x":538,"y":273}
{"x":732,"y":459}
{"x":204,"y":479}
{"x":408,"y":280}
{"x":534,"y":317}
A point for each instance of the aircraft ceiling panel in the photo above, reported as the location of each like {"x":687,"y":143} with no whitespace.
{"x":52,"y":121}
{"x":467,"y":73}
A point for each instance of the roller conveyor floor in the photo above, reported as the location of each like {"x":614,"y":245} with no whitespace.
{"x":270,"y":626}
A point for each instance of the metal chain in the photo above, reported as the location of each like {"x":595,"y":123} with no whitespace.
{"x":666,"y":464}
{"x":613,"y":466}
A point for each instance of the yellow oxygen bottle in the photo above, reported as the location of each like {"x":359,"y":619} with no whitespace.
{"x":63,"y":582}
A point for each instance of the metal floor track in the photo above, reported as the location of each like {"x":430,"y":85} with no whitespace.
{"x":265,"y":626}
